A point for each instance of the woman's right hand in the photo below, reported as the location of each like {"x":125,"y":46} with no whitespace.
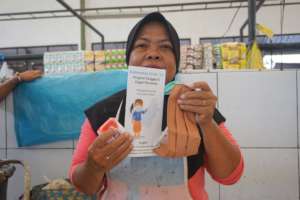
{"x":106,"y":151}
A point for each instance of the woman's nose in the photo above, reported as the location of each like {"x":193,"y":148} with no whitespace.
{"x":153,"y":57}
{"x":153,"y":54}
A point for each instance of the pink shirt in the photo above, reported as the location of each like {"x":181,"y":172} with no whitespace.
{"x":196,"y":183}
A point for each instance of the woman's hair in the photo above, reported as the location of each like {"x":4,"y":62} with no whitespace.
{"x":137,"y":101}
{"x":154,"y":17}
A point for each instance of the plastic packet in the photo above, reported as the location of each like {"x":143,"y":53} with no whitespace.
{"x":111,"y":123}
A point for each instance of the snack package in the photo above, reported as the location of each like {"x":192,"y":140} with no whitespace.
{"x":207,"y":56}
{"x":111,"y":123}
{"x":233,"y":55}
{"x":191,"y":57}
{"x":89,"y":63}
{"x":99,"y":60}
{"x":217,"y":56}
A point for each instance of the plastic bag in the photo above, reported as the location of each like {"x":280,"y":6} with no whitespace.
{"x":39,"y":193}
{"x":5,"y":72}
{"x":52,"y":108}
{"x":254,"y":58}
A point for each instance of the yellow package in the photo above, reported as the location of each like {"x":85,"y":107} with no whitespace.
{"x":233,"y":55}
{"x":254,"y":58}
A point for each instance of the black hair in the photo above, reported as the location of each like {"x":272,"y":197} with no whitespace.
{"x":154,"y":17}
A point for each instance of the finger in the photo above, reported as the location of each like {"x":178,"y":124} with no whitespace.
{"x":196,"y":109}
{"x":104,"y":137}
{"x":195,"y":102}
{"x":197,"y":95}
{"x":101,"y":154}
{"x":38,"y":73}
{"x":200,"y":85}
{"x":95,"y":157}
{"x":121,"y":156}
{"x":115,"y":144}
{"x":121,"y":149}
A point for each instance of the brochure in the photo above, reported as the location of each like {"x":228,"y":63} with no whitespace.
{"x":144,"y":106}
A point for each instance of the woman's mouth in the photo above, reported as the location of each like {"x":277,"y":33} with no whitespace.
{"x":154,"y":66}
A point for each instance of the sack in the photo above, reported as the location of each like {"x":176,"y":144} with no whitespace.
{"x":38,"y":193}
{"x":51,"y":108}
{"x":7,"y":170}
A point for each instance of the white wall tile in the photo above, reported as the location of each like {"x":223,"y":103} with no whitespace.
{"x":53,"y":163}
{"x":2,"y":124}
{"x":2,"y":154}
{"x":210,"y":78}
{"x":11,"y":137}
{"x":270,"y":174}
{"x":298,"y":88}
{"x":212,"y":188}
{"x":260,"y":107}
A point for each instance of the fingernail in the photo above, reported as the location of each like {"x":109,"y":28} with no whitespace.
{"x":179,"y":101}
{"x":182,"y":96}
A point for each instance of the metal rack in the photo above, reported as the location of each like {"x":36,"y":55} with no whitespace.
{"x":134,"y":11}
{"x":69,"y":9}
{"x":137,"y":11}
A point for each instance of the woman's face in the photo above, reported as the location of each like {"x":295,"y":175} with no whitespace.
{"x":152,"y":48}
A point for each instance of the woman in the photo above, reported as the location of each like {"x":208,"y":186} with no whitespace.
{"x":153,"y":42}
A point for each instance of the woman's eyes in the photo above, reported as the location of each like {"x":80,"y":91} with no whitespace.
{"x":166,"y":46}
{"x":141,"y":45}
{"x":161,"y":46}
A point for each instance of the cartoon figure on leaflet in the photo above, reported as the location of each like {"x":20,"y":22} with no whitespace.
{"x":136,"y":111}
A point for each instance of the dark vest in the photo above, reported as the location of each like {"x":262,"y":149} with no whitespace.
{"x":106,"y":108}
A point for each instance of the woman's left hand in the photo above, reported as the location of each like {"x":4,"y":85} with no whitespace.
{"x":200,"y":100}
{"x":30,"y":75}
